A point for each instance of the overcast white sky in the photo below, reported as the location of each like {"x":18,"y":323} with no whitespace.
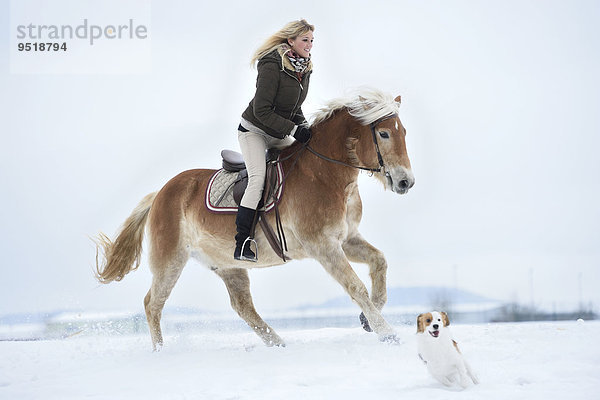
{"x":500,"y":100}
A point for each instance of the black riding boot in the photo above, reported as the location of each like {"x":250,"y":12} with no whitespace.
{"x":243,"y":222}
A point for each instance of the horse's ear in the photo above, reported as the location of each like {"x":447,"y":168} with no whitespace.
{"x":363,"y":101}
{"x":398,"y":99}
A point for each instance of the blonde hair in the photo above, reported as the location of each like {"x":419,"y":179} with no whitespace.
{"x":291,"y":30}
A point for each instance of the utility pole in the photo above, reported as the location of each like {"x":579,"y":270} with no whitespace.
{"x":580,"y":290}
{"x":455,"y":277}
{"x":532,"y":304}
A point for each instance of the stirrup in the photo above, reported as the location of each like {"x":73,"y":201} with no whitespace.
{"x":244,"y":258}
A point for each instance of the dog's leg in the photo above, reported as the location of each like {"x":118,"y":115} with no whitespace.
{"x":463,"y":377}
{"x":471,"y":374}
{"x":443,"y":379}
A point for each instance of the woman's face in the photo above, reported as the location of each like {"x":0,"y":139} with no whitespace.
{"x":302,"y":44}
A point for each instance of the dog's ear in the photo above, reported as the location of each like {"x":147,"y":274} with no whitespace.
{"x":420,"y":325}
{"x":445,"y":318}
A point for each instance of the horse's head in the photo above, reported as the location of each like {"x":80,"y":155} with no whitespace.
{"x":380,"y":137}
{"x":373,"y":136}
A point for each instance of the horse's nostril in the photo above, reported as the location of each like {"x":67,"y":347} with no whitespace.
{"x":404,"y":184}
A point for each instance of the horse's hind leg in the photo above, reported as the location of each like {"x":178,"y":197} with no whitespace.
{"x":238,"y":286}
{"x":164,"y":278}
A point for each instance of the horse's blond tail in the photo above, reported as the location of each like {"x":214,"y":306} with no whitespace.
{"x":124,"y":254}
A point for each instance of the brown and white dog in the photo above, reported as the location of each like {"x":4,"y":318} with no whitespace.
{"x":440,"y":352}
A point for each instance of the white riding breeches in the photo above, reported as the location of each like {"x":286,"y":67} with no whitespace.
{"x":254,"y":146}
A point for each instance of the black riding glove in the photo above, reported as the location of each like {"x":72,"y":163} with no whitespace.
{"x":302,"y":134}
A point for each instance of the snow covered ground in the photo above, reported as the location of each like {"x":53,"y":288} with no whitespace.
{"x":553,"y":360}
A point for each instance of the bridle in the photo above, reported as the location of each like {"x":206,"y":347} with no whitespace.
{"x":381,"y":168}
{"x":305,"y":146}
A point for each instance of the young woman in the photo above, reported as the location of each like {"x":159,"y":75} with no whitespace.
{"x":274,"y":118}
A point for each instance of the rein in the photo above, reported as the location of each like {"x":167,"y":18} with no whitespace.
{"x":282,"y":242}
{"x":298,"y":153}
{"x":341,"y":162}
{"x":306,"y":146}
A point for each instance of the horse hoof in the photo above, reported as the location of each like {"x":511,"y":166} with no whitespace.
{"x":274,"y":342}
{"x":157,"y":347}
{"x":365,"y":322}
{"x":391,"y":339}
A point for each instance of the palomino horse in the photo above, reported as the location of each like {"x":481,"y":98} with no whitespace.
{"x":320,"y":211}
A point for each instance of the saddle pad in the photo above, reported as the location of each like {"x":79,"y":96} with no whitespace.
{"x":220,"y":186}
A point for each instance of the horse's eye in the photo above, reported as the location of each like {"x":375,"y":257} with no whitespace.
{"x":384,"y":135}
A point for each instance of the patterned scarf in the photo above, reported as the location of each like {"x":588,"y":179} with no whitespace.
{"x":300,"y":64}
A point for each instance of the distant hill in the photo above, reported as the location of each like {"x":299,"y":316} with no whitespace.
{"x":408,"y":296}
{"x":27,"y":318}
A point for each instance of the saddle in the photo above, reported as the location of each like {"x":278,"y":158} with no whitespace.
{"x":234,"y":162}
{"x":234,"y":183}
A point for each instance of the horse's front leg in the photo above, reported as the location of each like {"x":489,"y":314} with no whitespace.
{"x":359,"y":250}
{"x":334,"y":261}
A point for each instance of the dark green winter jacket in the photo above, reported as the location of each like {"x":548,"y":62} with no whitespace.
{"x":275,"y":107}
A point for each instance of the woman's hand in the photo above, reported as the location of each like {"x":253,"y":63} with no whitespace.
{"x":302,"y":134}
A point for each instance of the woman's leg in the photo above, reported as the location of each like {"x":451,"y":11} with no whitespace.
{"x":274,"y":143}
{"x":253,"y":147}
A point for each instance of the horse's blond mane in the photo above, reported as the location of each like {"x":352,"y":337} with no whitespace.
{"x":367,"y":105}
